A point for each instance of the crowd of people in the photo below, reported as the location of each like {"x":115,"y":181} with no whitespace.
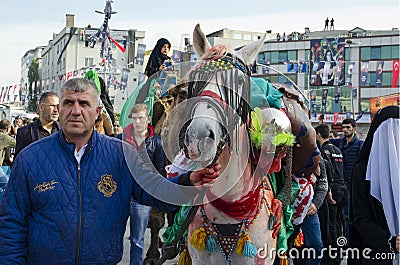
{"x":77,"y":175}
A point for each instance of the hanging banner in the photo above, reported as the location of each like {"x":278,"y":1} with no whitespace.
{"x":324,"y":97}
{"x":313,"y":101}
{"x":141,"y":49}
{"x":324,"y":57}
{"x":379,"y":102}
{"x":395,"y":73}
{"x":349,"y":82}
{"x":176,"y":56}
{"x":364,"y":73}
{"x":379,"y":74}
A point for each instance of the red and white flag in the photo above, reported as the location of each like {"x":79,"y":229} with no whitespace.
{"x":395,"y":73}
{"x":335,"y":117}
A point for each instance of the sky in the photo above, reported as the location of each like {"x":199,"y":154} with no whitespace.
{"x":25,"y":25}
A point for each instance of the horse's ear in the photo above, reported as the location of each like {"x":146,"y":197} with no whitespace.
{"x":200,"y":42}
{"x":249,"y":52}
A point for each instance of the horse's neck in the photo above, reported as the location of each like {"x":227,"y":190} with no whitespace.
{"x":236,"y":180}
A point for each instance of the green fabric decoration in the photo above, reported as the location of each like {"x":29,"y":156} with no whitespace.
{"x":94,"y":76}
{"x":149,"y":100}
{"x":172,"y":231}
{"x":256,"y":133}
{"x":211,"y":245}
{"x":131,"y":101}
{"x":249,"y":249}
{"x":277,"y":180}
{"x":283,"y":138}
{"x":263,"y":94}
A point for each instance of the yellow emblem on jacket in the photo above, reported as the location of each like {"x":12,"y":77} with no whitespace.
{"x":107,"y":185}
{"x":45,"y":186}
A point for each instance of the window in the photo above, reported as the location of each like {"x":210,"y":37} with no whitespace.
{"x":247,"y":37}
{"x":237,"y":36}
{"x":88,"y":62}
{"x":375,"y":53}
{"x":379,"y":53}
{"x":283,"y":57}
{"x":386,"y":52}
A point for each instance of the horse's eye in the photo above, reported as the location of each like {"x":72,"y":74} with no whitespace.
{"x":241,"y":81}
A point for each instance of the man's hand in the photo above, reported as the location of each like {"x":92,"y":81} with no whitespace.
{"x":276,"y":208}
{"x":312,"y":209}
{"x":330,"y":198}
{"x":205,"y":175}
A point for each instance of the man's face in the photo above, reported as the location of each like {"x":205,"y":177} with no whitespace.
{"x":348,"y":130}
{"x":140,"y":121}
{"x":18,"y":122}
{"x":49,"y":109}
{"x":78,"y":112}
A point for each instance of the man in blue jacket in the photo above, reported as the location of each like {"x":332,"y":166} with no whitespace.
{"x":67,"y":201}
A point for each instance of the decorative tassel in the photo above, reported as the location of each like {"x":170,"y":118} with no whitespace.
{"x":184,"y":258}
{"x":284,"y":261}
{"x":198,"y":239}
{"x":299,"y":241}
{"x":240,"y":243}
{"x":211,"y":244}
{"x":250,"y":249}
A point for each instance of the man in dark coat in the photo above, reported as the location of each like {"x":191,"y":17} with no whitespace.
{"x":45,"y":125}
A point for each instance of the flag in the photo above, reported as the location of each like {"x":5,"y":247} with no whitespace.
{"x":349,"y":82}
{"x":69,"y":75}
{"x":335,"y":117}
{"x":379,"y":74}
{"x":364,"y":73}
{"x":324,"y":96}
{"x":395,"y":73}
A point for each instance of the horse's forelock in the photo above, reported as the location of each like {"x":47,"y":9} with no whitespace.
{"x":216,"y":52}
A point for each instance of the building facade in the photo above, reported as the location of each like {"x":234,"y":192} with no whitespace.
{"x":340,"y":72}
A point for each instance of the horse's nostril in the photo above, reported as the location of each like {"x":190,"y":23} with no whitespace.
{"x":212,"y":135}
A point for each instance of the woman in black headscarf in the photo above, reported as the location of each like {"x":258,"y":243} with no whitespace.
{"x":374,"y":195}
{"x":159,"y":59}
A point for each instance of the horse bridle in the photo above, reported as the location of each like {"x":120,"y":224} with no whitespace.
{"x":226,"y":130}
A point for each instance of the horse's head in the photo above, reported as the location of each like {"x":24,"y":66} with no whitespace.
{"x":219,"y":88}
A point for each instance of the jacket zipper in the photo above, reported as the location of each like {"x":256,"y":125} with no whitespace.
{"x":78,"y":256}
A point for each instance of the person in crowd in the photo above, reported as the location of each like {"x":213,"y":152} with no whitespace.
{"x":67,"y":201}
{"x":375,"y":194}
{"x":140,"y":134}
{"x":17,"y":123}
{"x":45,"y":125}
{"x":326,"y":24}
{"x":311,"y":225}
{"x":337,"y":197}
{"x":350,"y":145}
{"x":333,"y":134}
{"x":103,"y":124}
{"x":159,"y":59}
{"x":321,"y":119}
{"x":117,"y":128}
{"x":6,"y":141}
{"x":332,"y":26}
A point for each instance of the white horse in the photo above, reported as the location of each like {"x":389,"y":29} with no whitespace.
{"x":232,"y":224}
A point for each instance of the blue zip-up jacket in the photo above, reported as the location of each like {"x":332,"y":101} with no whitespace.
{"x":56,"y":211}
{"x":350,"y":153}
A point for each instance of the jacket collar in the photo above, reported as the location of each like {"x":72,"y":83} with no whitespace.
{"x":70,"y":147}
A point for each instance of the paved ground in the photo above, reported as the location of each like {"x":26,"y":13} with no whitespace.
{"x":125,"y":258}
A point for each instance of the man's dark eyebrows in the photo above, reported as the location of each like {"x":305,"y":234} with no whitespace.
{"x":82,"y":101}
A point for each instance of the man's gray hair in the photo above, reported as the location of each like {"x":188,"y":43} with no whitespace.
{"x":81,"y":85}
